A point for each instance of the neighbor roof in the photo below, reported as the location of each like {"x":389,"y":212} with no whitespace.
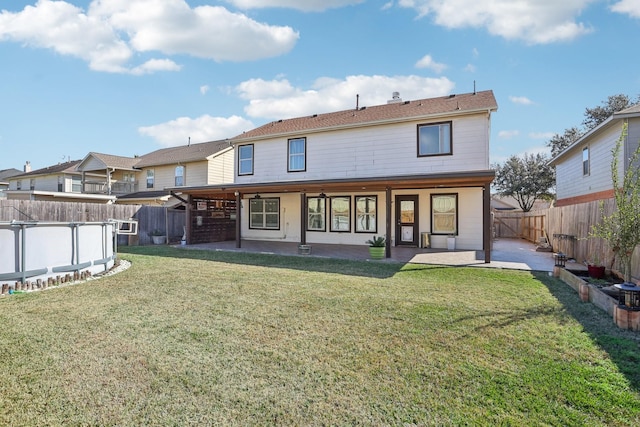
{"x":67,"y":167}
{"x":391,"y":112}
{"x":114,"y":162}
{"x":8,"y":173}
{"x":182,"y":154}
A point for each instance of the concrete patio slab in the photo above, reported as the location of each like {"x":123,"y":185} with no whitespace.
{"x":517,"y":254}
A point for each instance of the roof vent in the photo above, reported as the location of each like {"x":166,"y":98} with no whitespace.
{"x":395,"y":98}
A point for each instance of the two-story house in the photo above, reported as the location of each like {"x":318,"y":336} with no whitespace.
{"x":401,"y":170}
{"x":145,"y":179}
{"x":583,"y":170}
{"x":60,"y":182}
{"x":5,"y":174}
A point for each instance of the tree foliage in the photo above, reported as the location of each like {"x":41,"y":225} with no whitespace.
{"x":621,"y":229}
{"x":526,"y":179}
{"x":592,"y":118}
{"x":560,"y":142}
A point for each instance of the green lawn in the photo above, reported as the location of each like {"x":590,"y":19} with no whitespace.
{"x":187,"y":337}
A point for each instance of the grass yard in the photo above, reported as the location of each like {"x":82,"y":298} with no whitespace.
{"x":187,"y":337}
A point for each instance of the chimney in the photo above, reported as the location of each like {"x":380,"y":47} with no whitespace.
{"x":27,"y":166}
{"x":395,"y":98}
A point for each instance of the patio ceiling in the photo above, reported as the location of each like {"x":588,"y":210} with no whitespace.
{"x":443,"y":181}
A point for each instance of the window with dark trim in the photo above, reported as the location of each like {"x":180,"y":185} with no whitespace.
{"x":245,"y":159}
{"x":340,"y":213}
{"x":435,"y":139}
{"x":264,"y":213}
{"x":444,"y":214}
{"x":585,"y":161}
{"x":366,"y":214}
{"x":316,"y":214}
{"x":19,"y":185}
{"x":32,"y":184}
{"x":297,"y":153}
{"x":179,"y":176}
{"x":150,"y":178}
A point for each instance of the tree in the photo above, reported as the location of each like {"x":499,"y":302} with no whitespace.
{"x":558,"y":142}
{"x":526,"y":179}
{"x":621,"y":229}
{"x":593,"y":117}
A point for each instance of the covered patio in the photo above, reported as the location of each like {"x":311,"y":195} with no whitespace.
{"x":214,"y":212}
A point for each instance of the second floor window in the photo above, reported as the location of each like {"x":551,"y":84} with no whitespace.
{"x":179,"y":176}
{"x":150,"y":178}
{"x":32,"y":184}
{"x":19,"y":185}
{"x":297,"y":155}
{"x":585,"y":161}
{"x":60,"y":184}
{"x":434,"y":139}
{"x":245,"y":159}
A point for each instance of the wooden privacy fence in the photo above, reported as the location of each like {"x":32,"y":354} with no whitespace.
{"x":567,"y":229}
{"x":169,"y":221}
{"x":525,"y":225}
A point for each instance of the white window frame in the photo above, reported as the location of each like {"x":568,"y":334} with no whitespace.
{"x":586,"y":161}
{"x":180,"y":172}
{"x":151,"y":178}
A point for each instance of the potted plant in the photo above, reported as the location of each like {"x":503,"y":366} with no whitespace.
{"x":451,"y":242}
{"x":158,"y":236}
{"x":377,"y":246}
{"x":595,"y":266}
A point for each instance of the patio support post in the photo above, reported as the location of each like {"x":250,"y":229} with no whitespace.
{"x":189,"y":214}
{"x":303,"y":218}
{"x":238,"y":219}
{"x":486,"y":220}
{"x":387,"y":250}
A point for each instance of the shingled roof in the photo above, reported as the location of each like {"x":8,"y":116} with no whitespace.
{"x":117,"y":162}
{"x":379,"y":114}
{"x":182,"y":154}
{"x":67,"y":167}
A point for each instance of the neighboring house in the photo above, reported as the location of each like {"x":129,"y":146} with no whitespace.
{"x":5,"y":174}
{"x":401,"y":170}
{"x":145,"y":179}
{"x":61,"y":183}
{"x":583,"y":170}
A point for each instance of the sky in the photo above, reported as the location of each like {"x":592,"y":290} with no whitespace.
{"x":127,"y":77}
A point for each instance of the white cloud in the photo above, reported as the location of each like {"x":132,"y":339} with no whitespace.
{"x":428,"y":62}
{"x":204,"y":128}
{"x":630,"y":7}
{"x":541,"y":135}
{"x":533,"y":21}
{"x":470,"y":68}
{"x":110,"y":34}
{"x":280,"y":100}
{"x":303,"y":5}
{"x":204,"y":89}
{"x":508,"y":134}
{"x":522,"y":100}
